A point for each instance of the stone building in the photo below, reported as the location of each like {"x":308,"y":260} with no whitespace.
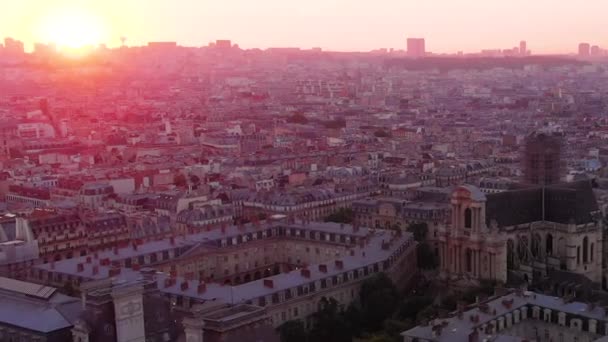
{"x":284,"y":267}
{"x":522,"y":234}
{"x":31,"y":312}
{"x":517,"y":316}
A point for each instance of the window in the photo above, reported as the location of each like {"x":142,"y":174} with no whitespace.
{"x":585,"y":250}
{"x":468,"y":218}
{"x":549,"y":244}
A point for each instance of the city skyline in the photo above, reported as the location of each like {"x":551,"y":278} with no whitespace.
{"x":448,"y":27}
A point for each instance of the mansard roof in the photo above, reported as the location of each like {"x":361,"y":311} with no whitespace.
{"x":560,"y":203}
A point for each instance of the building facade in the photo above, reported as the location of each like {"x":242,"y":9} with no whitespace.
{"x":521,"y":235}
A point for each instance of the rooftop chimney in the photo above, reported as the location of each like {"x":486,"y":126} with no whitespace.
{"x":323,"y":268}
{"x":268,"y":283}
{"x":305,"y":273}
{"x":202,"y":287}
{"x":339,"y":264}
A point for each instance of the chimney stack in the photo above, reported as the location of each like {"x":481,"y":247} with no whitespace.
{"x":202,"y":287}
{"x":184,"y":285}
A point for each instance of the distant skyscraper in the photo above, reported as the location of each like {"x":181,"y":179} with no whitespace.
{"x":415,"y":47}
{"x":583,"y":49}
{"x":542,"y":160}
{"x":523,"y":48}
{"x":595,"y":50}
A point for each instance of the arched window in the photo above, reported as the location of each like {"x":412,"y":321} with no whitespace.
{"x":536,"y":243}
{"x":585,"y":250}
{"x":522,"y":249}
{"x":468,"y":218}
{"x":591,"y":250}
{"x":469,"y":260}
{"x":578,"y":255}
{"x":549,"y":244}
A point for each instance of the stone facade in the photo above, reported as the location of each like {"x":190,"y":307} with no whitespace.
{"x":526,"y":234}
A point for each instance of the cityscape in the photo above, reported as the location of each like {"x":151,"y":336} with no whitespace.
{"x":205,"y":193}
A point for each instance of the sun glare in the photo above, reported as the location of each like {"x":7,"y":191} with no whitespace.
{"x":73,"y":29}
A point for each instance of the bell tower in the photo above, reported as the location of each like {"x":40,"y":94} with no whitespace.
{"x":468,"y":210}
{"x":469,"y":250}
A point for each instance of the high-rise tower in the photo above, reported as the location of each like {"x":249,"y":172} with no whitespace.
{"x":416,"y":47}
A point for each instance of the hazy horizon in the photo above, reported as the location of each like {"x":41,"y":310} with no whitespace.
{"x":339,"y":25}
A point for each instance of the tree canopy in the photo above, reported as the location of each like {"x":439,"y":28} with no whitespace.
{"x":293,"y":331}
{"x":343,"y":215}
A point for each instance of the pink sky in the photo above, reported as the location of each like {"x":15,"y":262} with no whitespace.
{"x":346,"y":25}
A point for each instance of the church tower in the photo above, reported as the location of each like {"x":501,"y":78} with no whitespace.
{"x":471,"y":251}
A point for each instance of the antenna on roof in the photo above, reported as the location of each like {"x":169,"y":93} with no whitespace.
{"x":543,"y":201}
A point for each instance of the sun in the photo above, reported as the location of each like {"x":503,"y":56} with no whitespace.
{"x":73,"y":28}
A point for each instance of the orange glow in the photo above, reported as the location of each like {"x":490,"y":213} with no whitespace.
{"x":73,"y":30}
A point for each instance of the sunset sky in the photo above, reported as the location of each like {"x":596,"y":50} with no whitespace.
{"x":346,"y":25}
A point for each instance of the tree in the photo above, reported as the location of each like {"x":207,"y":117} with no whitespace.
{"x":180,"y":180}
{"x":424,"y":253}
{"x":393,"y":328}
{"x":419,"y":230}
{"x":427,"y":313}
{"x":425,"y":256}
{"x":343,"y":215}
{"x":330,"y":324}
{"x":410,"y":306}
{"x":383,"y":337}
{"x":379,"y":299}
{"x":293,"y":331}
